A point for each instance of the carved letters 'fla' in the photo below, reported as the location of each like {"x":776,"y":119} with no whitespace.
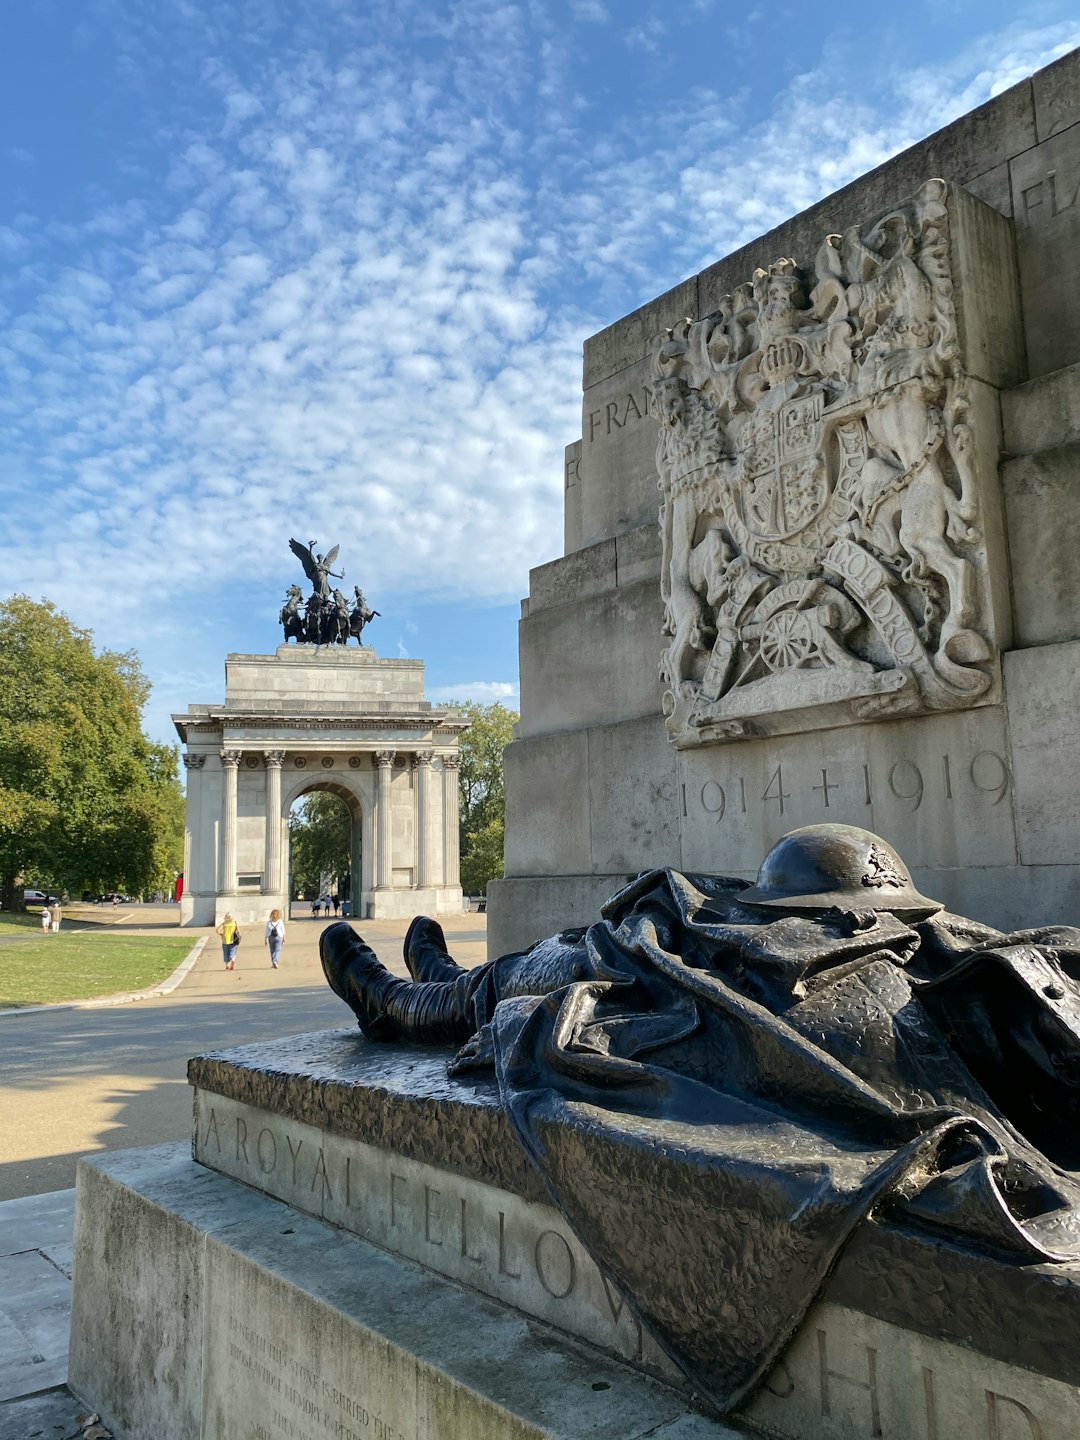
{"x":822,"y":550}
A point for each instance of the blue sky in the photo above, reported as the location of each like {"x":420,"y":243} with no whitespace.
{"x":324,"y":268}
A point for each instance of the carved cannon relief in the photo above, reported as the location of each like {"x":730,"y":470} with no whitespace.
{"x":823,"y":559}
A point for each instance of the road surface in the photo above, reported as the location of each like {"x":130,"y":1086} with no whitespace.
{"x":75,"y":1081}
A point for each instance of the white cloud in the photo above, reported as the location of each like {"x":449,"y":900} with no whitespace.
{"x":355,"y":307}
{"x":484,"y":692}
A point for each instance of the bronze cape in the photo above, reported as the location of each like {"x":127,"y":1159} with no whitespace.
{"x":716,"y":1097}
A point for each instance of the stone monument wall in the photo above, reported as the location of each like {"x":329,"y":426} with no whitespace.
{"x":861,"y":603}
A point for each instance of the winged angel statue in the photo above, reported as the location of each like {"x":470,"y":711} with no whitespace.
{"x":326,"y":618}
{"x":821,"y":550}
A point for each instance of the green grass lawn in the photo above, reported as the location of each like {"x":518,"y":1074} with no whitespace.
{"x":14,"y":922}
{"x":81,"y":966}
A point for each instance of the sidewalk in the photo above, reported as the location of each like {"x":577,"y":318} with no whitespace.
{"x":36,"y":1230}
{"x":35,"y":1314}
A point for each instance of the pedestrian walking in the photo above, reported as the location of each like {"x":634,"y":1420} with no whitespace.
{"x":229,"y":931}
{"x":55,"y":915}
{"x":315,"y":907}
{"x":46,"y":918}
{"x":335,"y":900}
{"x":275,"y":937}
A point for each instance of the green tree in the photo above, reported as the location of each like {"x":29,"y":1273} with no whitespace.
{"x":320,"y":837}
{"x":481,"y":794}
{"x":86,"y":800}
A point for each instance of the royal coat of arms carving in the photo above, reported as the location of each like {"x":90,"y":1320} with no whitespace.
{"x":822,"y":548}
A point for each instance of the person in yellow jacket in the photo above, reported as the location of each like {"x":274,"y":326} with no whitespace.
{"x":230,"y":939}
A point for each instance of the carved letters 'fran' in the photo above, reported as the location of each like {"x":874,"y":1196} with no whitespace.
{"x":822,"y":551}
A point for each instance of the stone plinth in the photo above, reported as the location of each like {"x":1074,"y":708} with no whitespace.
{"x":391,"y":1252}
{"x":204,"y":1310}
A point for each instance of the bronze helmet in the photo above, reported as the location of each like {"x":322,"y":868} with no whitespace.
{"x":822,"y":866}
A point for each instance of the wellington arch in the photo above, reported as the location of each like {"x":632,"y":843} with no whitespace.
{"x":311,"y":718}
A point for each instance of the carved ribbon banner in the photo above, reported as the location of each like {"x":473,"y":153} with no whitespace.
{"x":822,"y":550}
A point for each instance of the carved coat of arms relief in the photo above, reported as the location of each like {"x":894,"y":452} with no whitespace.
{"x":822,"y":554}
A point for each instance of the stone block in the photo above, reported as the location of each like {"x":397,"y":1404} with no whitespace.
{"x":632,"y":785}
{"x":847,"y":1376}
{"x":591,"y":663}
{"x":638,"y":555}
{"x":138,"y":1296}
{"x":518,"y":1252}
{"x":1042,"y":502}
{"x":572,"y":498}
{"x":1057,"y":95}
{"x":618,"y":452}
{"x":299,"y":1329}
{"x":1042,"y":414}
{"x":575,"y":577}
{"x":985,"y":291}
{"x":524,"y":909}
{"x":1044,"y":723}
{"x":1010,"y":897}
{"x":631,"y":339}
{"x":937,"y":787}
{"x":993,"y":188}
{"x":547,"y":804}
{"x":1046,"y":188}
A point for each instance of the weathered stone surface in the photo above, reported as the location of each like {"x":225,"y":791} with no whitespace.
{"x":514,"y":1250}
{"x":1056,"y":90}
{"x":572,"y":498}
{"x":524,"y":908}
{"x":294,"y":1328}
{"x":632,"y":338}
{"x":1042,"y":501}
{"x":1044,"y":721}
{"x":581,"y":665}
{"x":547,"y":810}
{"x":1042,"y":414}
{"x":1046,"y":189}
{"x":632,"y":786}
{"x":392,"y":1097}
{"x":938,"y":787}
{"x":588,"y":571}
{"x":638,"y":555}
{"x":829,"y":479}
{"x":618,"y":444}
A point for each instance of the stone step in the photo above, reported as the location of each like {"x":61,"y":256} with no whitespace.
{"x":1042,"y":414}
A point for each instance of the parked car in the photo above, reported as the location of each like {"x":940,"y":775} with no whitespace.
{"x":34,"y":897}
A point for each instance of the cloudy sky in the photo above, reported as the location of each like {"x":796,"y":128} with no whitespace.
{"x":324,"y":268}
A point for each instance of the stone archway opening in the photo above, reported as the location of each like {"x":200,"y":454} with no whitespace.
{"x":325,"y":830}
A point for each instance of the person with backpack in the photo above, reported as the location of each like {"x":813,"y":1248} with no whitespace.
{"x":275,"y":937}
{"x":230,"y":939}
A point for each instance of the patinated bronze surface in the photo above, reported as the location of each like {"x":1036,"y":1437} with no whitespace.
{"x":326,"y":617}
{"x":719,"y":1082}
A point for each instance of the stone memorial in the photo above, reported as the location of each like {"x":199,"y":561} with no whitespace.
{"x":793,"y":1157}
{"x":318,"y":716}
{"x":861,"y":434}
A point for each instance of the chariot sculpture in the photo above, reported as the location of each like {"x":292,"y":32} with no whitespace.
{"x":326,"y":617}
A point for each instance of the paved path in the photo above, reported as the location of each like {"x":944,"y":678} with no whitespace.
{"x":74,"y":1081}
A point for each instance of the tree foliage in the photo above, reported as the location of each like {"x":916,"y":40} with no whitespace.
{"x":482,"y":797}
{"x":320,"y":832}
{"x":86,"y":800}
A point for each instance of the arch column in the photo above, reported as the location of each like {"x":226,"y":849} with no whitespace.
{"x":384,"y":822}
{"x":193,"y":824}
{"x":272,"y":885}
{"x":451,"y":845}
{"x":422,"y":761}
{"x":230,"y":764}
